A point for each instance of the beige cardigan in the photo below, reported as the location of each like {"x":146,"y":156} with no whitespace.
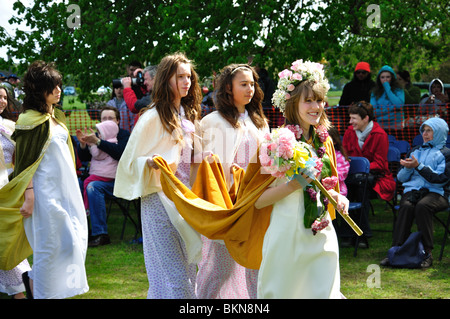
{"x":134,"y":178}
{"x":222,"y":139}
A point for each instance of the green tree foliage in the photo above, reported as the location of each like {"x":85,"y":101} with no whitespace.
{"x":408,"y":34}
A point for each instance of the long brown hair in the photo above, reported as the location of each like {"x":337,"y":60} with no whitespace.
{"x":163,"y":97}
{"x":378,"y":89}
{"x":39,"y":81}
{"x":302,"y":91}
{"x":7,"y":114}
{"x":224,"y":102}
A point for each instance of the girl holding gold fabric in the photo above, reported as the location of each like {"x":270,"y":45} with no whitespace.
{"x":232,"y":132}
{"x":297,"y":262}
{"x":165,"y":128}
{"x":45,"y":184}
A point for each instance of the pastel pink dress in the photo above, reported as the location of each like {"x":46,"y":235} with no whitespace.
{"x":219,"y":276}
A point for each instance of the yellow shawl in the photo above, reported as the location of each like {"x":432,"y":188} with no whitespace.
{"x":218,"y":214}
{"x":14,"y":246}
{"x":228,"y":215}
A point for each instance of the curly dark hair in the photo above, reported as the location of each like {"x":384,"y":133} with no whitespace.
{"x":224,"y":102}
{"x":40,"y":81}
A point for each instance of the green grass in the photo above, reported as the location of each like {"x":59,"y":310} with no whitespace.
{"x":72,"y":102}
{"x":333,"y":97}
{"x":117,"y":271}
{"x":432,"y":283}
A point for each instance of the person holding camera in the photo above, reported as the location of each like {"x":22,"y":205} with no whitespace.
{"x":436,"y":99}
{"x":425,"y":175}
{"x":146,"y":79}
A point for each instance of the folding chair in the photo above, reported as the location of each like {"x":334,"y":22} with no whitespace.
{"x":124,"y":206}
{"x":403,"y":147}
{"x":444,"y":224}
{"x":393,"y":158}
{"x":391,"y":138}
{"x":446,"y":230}
{"x":417,"y":140}
{"x":360,"y":166}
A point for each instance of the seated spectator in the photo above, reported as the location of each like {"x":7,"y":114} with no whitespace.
{"x":103,"y":167}
{"x":424,"y":175}
{"x":342,"y":162}
{"x":134,"y":103}
{"x":432,"y":103}
{"x":365,"y":138}
{"x":126,"y":116}
{"x":97,"y":189}
{"x":359,"y":88}
{"x":387,"y":99}
{"x":412,"y":92}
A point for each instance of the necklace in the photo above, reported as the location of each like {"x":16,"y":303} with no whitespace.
{"x":316,"y":139}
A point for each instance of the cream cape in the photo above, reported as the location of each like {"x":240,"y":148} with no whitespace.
{"x":14,"y":246}
{"x":223,"y":140}
{"x":134,"y":178}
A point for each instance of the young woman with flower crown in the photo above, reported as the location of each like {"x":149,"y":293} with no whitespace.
{"x":233,"y":132}
{"x":165,"y":128}
{"x":299,"y":261}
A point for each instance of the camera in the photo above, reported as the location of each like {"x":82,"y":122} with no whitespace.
{"x":138,"y":81}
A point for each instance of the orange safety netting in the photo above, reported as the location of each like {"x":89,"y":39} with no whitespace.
{"x":412,"y":117}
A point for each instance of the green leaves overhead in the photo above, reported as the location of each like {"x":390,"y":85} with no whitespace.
{"x":411,"y":34}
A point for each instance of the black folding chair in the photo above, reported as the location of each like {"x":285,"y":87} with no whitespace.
{"x":446,"y":230}
{"x":393,"y":158}
{"x":403,"y":147}
{"x":124,"y":206}
{"x":360,"y":167}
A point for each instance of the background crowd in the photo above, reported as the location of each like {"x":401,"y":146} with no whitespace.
{"x":126,"y":122}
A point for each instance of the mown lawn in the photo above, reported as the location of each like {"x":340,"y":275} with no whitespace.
{"x":117,"y":271}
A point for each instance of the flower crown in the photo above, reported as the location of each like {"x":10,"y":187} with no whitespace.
{"x":301,"y":71}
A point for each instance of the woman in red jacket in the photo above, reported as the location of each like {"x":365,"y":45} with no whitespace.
{"x":365,"y":138}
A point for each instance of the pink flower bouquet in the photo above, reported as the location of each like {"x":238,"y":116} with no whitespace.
{"x":282,"y":155}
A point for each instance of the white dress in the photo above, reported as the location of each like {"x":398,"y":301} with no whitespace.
{"x":57,"y":230}
{"x":295,"y":263}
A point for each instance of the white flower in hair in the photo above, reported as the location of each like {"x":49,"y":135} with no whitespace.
{"x":288,"y":79}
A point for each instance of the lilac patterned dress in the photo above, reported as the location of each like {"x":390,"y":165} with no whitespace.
{"x":219,"y":276}
{"x":170,"y":276}
{"x":11,"y":280}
